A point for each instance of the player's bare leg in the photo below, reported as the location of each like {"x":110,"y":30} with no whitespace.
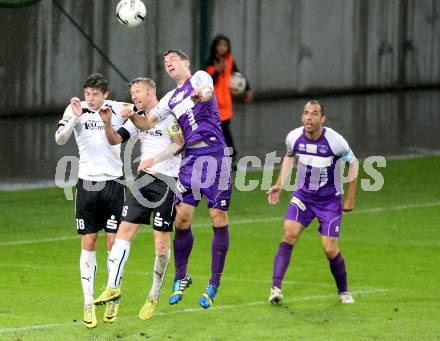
{"x":291,"y":233}
{"x":337,"y":267}
{"x":109,"y":240}
{"x":183,"y":243}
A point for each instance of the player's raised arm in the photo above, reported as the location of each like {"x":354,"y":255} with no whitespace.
{"x":68,"y":122}
{"x":204,"y":87}
{"x":174,"y":148}
{"x":274,"y":193}
{"x":112,"y":136}
{"x":203,"y":94}
{"x":140,"y":121}
{"x":349,"y":201}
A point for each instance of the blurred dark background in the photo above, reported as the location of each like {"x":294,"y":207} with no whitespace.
{"x":374,"y":64}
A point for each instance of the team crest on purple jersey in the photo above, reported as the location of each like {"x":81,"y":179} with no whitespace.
{"x":322,"y":148}
{"x":319,"y":162}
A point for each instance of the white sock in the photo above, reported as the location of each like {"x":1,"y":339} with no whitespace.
{"x":108,"y":262}
{"x":117,"y":258}
{"x":160,"y":268}
{"x":108,"y":268}
{"x":87,"y":265}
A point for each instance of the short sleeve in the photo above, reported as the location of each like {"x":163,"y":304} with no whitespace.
{"x":291,"y":139}
{"x":162,"y":110}
{"x":130,"y":128}
{"x":339,"y":146}
{"x":202,"y":79}
{"x":346,"y":152}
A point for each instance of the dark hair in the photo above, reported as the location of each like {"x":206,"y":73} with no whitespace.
{"x":96,"y":81}
{"x":145,"y":80}
{"x":213,"y":48}
{"x":180,"y":53}
{"x":321,"y":107}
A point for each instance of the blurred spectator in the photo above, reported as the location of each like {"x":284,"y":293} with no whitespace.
{"x":220,"y":66}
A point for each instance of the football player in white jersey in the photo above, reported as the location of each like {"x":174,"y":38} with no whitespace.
{"x":100,"y":187}
{"x":151,"y":194}
{"x":194,"y":104}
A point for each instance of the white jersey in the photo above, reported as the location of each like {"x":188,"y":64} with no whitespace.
{"x":98,"y":160}
{"x":154,"y":141}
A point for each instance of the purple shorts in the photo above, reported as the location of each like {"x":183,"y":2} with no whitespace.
{"x":205,"y":172}
{"x":328,"y":212}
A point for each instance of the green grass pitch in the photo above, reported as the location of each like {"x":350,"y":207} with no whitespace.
{"x":391,"y":244}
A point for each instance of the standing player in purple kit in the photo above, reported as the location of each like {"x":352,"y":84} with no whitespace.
{"x":204,"y":170}
{"x":319,"y":152}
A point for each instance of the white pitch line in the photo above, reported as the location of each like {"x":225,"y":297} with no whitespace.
{"x":237,"y":222}
{"x":37,"y":241}
{"x":146,"y":273}
{"x":191,"y":310}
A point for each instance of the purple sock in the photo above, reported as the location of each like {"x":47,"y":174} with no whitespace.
{"x":219,"y":249}
{"x":183,"y":243}
{"x":281,"y":263}
{"x":337,"y":267}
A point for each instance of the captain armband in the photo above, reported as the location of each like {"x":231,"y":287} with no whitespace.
{"x":174,"y":129}
{"x":348,"y":156}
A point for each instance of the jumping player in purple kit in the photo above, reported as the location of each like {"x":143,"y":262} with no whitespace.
{"x":319,"y":152}
{"x":205,"y":170}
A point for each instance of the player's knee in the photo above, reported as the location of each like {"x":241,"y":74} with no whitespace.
{"x":219,"y":218}
{"x":331,"y":250}
{"x":127,"y":231}
{"x":183,"y":220}
{"x":162,"y":249}
{"x":291,"y":234}
{"x":290,"y":237}
{"x":89,"y":241}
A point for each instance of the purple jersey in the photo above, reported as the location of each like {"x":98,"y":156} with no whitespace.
{"x":199,"y":121}
{"x":319,"y":162}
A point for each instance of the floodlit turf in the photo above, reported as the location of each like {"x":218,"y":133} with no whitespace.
{"x":391,"y":244}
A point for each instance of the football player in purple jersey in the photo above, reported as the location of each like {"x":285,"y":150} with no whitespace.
{"x":205,"y":169}
{"x":319,"y":152}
